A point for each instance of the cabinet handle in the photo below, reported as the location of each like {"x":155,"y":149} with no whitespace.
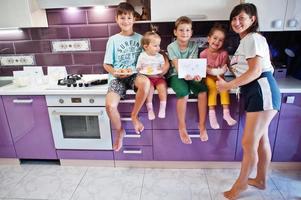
{"x":128,"y":101}
{"x":126,"y":119}
{"x":132,"y":135}
{"x":129,"y":151}
{"x":192,"y":100}
{"x":194,"y":135}
{"x":23,"y":101}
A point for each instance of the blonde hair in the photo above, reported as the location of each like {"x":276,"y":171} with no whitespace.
{"x":147,"y":37}
{"x":182,"y":20}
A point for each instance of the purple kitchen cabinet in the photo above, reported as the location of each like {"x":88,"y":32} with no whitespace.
{"x":132,"y":138}
{"x":288,"y":139}
{"x":171,"y":121}
{"x":7,"y":149}
{"x":126,"y":105}
{"x":134,"y":153}
{"x":127,"y":121}
{"x":167,"y":146}
{"x":30,"y":127}
{"x":85,"y":155}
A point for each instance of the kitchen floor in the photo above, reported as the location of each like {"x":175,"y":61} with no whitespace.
{"x":50,"y":181}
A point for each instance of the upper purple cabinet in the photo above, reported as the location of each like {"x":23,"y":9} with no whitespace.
{"x":6,"y":143}
{"x":30,"y":126}
{"x":288,"y":139}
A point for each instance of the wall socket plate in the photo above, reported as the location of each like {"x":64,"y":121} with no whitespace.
{"x":15,"y":60}
{"x":70,"y":45}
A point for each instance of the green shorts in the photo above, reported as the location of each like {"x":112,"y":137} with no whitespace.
{"x":182,"y":87}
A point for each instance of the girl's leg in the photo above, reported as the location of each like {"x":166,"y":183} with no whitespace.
{"x":212,"y":118}
{"x":264,"y":159}
{"x":162,"y":92}
{"x":181,"y":112}
{"x":256,"y":127}
{"x":202,"y":107}
{"x":212,"y":95}
{"x":142,"y":84}
{"x":149,"y":103}
{"x":227,"y":116}
{"x":112,"y":101}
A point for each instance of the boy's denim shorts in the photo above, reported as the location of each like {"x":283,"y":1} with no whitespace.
{"x":121,"y":85}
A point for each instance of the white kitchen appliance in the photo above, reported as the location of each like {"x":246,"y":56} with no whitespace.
{"x":79,"y":122}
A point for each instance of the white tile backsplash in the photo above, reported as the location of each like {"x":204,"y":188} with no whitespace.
{"x":70,"y":45}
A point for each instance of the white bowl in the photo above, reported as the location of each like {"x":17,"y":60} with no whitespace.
{"x":217,"y":71}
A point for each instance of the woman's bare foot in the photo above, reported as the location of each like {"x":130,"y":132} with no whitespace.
{"x":257,"y":183}
{"x":184,"y":136}
{"x":118,"y":140}
{"x":203,"y":135}
{"x":235,"y":191}
{"x":138,"y":126}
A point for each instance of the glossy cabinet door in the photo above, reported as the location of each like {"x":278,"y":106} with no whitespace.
{"x":221,"y":146}
{"x":272,"y":132}
{"x":171,"y":121}
{"x":288,"y":140}
{"x":200,"y":10}
{"x":30,"y":127}
{"x":278,"y":15}
{"x":7,"y":149}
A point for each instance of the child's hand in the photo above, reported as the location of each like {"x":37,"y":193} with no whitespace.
{"x":188,"y":78}
{"x":122,"y":73}
{"x":197,"y":78}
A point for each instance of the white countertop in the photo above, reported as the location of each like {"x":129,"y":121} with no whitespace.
{"x":286,"y":85}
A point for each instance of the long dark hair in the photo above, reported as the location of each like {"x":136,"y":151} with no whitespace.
{"x":251,"y":10}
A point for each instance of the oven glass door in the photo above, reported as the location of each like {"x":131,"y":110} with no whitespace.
{"x":80,"y":128}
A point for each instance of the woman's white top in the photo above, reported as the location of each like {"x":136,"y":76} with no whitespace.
{"x":252,"y":45}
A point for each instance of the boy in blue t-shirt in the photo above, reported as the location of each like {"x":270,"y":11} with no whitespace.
{"x":120,"y":61}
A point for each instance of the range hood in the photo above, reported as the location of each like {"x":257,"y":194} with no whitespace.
{"x":50,"y":4}
{"x":21,"y":14}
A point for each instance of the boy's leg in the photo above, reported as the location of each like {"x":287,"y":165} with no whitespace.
{"x":202,"y":107}
{"x":142,"y":84}
{"x":112,"y":101}
{"x":162,"y":93}
{"x":149,"y":103}
{"x":200,"y":89}
{"x":181,"y":88}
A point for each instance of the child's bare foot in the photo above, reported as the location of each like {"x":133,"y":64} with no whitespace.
{"x":118,"y":140}
{"x":257,"y":183}
{"x":137,"y":125}
{"x":184,"y":136}
{"x":235,"y":191}
{"x":203,"y":135}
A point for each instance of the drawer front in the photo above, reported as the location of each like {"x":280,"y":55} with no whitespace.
{"x":131,"y":138}
{"x":134,"y":153}
{"x":127,"y":121}
{"x":220,"y":146}
{"x":127,"y":104}
{"x":86,"y":155}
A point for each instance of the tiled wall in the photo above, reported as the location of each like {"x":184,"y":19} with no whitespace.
{"x":83,"y":23}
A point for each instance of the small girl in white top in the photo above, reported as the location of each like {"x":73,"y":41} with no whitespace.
{"x":151,"y":63}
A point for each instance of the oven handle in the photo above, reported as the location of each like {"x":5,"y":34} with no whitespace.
{"x":132,"y":151}
{"x":78,"y":113}
{"x":23,"y":101}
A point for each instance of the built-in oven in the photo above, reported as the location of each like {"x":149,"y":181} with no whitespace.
{"x":79,"y":122}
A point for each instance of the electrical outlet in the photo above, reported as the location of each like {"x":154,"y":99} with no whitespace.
{"x":14,"y":60}
{"x":70,"y":45}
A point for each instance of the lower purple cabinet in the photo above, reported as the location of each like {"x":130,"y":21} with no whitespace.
{"x":288,"y":139}
{"x":221,"y":146}
{"x":7,"y":149}
{"x":30,"y":126}
{"x":85,"y":154}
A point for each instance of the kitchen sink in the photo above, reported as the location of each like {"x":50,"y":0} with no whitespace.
{"x":5,"y":82}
